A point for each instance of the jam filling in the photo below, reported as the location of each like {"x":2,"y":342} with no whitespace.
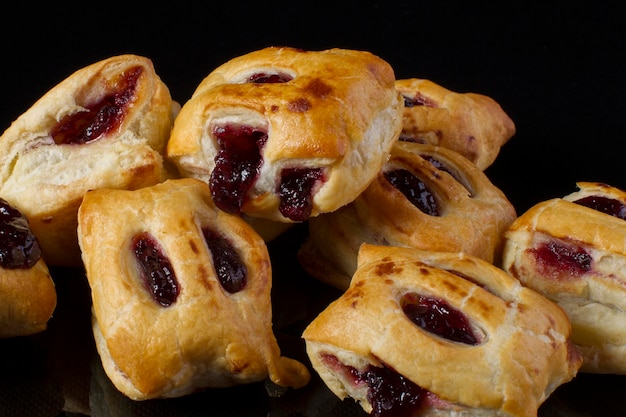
{"x":561,"y":260}
{"x":414,"y":190}
{"x":19,"y":247}
{"x":101,"y":117}
{"x":156,"y":270}
{"x":438,"y":317}
{"x":265,"y":78}
{"x":389,"y":393}
{"x":606,"y":205}
{"x":237,"y":165}
{"x":415,"y":101}
{"x":418,"y":100}
{"x":231,"y":272}
{"x":296,"y":192}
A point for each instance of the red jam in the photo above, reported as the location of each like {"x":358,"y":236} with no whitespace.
{"x":606,"y":205}
{"x":231,"y":272}
{"x":438,"y":317}
{"x":418,"y":100}
{"x":19,"y":247}
{"x":414,"y":190}
{"x":237,"y":165}
{"x":562,"y":260}
{"x":156,"y":269}
{"x":101,"y":117}
{"x":389,"y":393}
{"x":296,"y":192}
{"x":265,"y":78}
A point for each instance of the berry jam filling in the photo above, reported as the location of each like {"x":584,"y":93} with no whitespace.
{"x":264,"y":78}
{"x":438,"y":317}
{"x":562,"y":260}
{"x":418,"y":100}
{"x":19,"y":248}
{"x":156,"y":270}
{"x":414,"y":190}
{"x":348,"y":373}
{"x":231,"y":272}
{"x":296,"y":192}
{"x":102,"y":116}
{"x":237,"y":165}
{"x":389,"y":393}
{"x":605,"y":205}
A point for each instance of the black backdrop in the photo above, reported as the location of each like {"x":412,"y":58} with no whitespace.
{"x":557,"y":68}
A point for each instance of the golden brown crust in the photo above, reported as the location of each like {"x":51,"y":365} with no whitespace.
{"x":593,"y":296}
{"x":207,"y":337}
{"x":340,"y":112}
{"x":471,"y":124}
{"x":524,"y":353}
{"x":46,"y":180}
{"x":474,"y":215}
{"x":27,"y":300}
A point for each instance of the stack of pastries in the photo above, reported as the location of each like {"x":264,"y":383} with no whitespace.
{"x":169,"y":209}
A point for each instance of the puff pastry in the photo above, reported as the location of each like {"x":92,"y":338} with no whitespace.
{"x":27,"y":293}
{"x":285,"y":134}
{"x":204,"y":319}
{"x":572,"y":250}
{"x":427,"y":197}
{"x":446,"y":333}
{"x":106,"y":125}
{"x":471,"y":124}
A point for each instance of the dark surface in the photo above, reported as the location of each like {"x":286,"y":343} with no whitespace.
{"x":556,"y":69}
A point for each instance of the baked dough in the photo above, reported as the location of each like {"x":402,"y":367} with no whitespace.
{"x":27,"y":293}
{"x":322,"y":132}
{"x":472,"y":214}
{"x":194,"y":333}
{"x":576,"y":256}
{"x":106,"y":125}
{"x":519,"y":352}
{"x":471,"y":124}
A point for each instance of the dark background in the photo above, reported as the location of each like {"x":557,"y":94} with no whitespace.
{"x":557,"y":68}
